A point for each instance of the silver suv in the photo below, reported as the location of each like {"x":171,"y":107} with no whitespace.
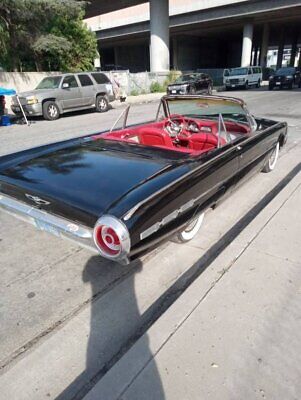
{"x":56,"y":95}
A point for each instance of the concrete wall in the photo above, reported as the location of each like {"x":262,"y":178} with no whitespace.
{"x":21,"y":81}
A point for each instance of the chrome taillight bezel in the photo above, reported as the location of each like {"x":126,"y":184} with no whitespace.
{"x":121,"y":231}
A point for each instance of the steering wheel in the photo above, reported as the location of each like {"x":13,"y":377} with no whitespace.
{"x":175,"y":125}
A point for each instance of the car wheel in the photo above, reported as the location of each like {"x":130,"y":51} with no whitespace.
{"x":191,"y":230}
{"x":51,"y":111}
{"x":290,"y":86}
{"x":271,"y":162}
{"x":209,"y":90}
{"x":299,"y":85}
{"x":247,"y":85}
{"x":102,"y":104}
{"x":258,"y":84}
{"x":271,"y":87}
{"x":192,"y":90}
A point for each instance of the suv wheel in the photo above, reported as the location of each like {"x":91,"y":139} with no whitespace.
{"x":209,"y":89}
{"x":258,"y":83}
{"x":102,"y":104}
{"x":50,"y":110}
{"x":247,"y":85}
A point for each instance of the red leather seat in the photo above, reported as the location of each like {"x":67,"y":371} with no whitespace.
{"x":204,"y":141}
{"x":154,"y":137}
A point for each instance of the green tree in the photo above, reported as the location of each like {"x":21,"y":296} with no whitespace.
{"x":45,"y":34}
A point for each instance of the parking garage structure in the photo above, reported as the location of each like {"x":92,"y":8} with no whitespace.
{"x":187,"y":35}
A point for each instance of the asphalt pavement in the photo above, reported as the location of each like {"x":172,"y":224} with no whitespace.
{"x":68,"y":317}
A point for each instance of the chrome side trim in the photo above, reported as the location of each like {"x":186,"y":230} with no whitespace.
{"x":57,"y":226}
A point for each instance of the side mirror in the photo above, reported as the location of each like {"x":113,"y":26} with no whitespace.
{"x":65,"y":85}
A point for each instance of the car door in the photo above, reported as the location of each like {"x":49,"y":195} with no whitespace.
{"x":252,"y":152}
{"x":250,"y":76}
{"x":297,"y":77}
{"x":203,"y":83}
{"x":88,"y":90}
{"x":70,"y":95}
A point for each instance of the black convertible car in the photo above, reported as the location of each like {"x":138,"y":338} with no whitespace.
{"x":125,"y":191}
{"x":196,"y":83}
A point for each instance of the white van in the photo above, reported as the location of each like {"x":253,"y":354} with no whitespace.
{"x":242,"y":77}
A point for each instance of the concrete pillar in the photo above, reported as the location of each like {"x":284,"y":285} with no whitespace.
{"x":247,"y":45}
{"x":256,"y":53}
{"x":280,"y":50}
{"x":174,"y":53}
{"x":159,"y":35}
{"x":294,"y":50}
{"x":264,"y":46}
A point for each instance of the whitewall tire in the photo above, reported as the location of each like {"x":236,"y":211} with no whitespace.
{"x":191,"y":230}
{"x":271,"y":162}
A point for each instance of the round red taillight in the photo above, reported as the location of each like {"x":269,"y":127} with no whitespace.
{"x":111,"y":237}
{"x":108,"y":239}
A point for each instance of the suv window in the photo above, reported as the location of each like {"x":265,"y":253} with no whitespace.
{"x":85,"y":80}
{"x":70,"y":79}
{"x":100,"y":78}
{"x":257,"y":70}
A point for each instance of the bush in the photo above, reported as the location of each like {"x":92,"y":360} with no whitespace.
{"x":155,"y":87}
{"x":134,"y":92}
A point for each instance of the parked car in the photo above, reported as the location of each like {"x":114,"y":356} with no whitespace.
{"x":123,"y":192}
{"x":243,"y":77}
{"x":285,"y":77}
{"x":191,"y":84}
{"x":56,"y":95}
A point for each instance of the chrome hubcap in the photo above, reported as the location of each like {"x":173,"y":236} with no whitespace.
{"x":102,"y":104}
{"x":274,"y":156}
{"x":52,"y":111}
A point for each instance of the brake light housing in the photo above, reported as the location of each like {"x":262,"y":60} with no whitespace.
{"x":111,"y":237}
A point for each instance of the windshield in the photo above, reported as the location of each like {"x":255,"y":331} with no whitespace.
{"x":185,"y":78}
{"x":285,"y":71}
{"x":238,"y":71}
{"x":51,"y":82}
{"x":209,"y":109}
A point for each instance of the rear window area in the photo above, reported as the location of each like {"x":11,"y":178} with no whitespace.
{"x":100,"y":78}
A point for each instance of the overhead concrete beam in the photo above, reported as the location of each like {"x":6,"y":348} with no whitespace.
{"x":98,"y":7}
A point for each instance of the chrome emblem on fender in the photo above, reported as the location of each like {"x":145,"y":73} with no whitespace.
{"x":37,"y":200}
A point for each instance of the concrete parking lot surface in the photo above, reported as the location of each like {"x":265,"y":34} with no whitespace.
{"x":68,"y":316}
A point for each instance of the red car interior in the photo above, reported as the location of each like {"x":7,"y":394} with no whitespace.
{"x":155,"y":134}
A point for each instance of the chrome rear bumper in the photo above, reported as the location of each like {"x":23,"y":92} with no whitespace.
{"x":53,"y":224}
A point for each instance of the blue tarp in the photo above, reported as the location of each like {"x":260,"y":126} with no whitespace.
{"x":6,"y":92}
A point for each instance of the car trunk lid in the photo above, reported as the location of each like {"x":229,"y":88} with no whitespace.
{"x":80,"y":182}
